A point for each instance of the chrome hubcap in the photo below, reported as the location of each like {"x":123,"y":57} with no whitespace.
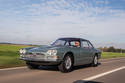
{"x":95,"y":60}
{"x":68,"y":62}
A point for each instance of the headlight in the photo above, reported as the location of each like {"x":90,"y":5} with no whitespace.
{"x":22,"y":51}
{"x":52,"y":52}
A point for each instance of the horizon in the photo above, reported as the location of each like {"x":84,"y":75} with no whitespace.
{"x":43,"y":21}
{"x":94,"y":44}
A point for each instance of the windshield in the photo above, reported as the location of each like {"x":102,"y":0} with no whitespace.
{"x":59,"y":43}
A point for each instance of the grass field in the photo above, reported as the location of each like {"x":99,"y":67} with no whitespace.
{"x":112,"y":55}
{"x":9,"y":55}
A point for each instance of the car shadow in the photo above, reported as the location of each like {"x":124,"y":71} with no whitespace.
{"x":55,"y":68}
{"x":83,"y":81}
{"x":83,"y":66}
{"x":49,"y":68}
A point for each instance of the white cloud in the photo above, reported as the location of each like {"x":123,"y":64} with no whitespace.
{"x":53,"y":19}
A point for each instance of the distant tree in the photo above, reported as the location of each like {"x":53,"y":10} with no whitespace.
{"x":105,"y":49}
{"x":100,"y":48}
{"x":123,"y":50}
{"x":111,"y":49}
{"x":118,"y":50}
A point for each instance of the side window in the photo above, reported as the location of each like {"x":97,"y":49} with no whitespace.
{"x":72,"y":43}
{"x":75,"y":43}
{"x":85,"y":44}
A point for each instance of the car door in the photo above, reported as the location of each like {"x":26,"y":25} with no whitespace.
{"x":76,"y":52}
{"x":85,"y":52}
{"x":91,"y":52}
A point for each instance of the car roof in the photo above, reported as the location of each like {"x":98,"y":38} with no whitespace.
{"x":72,"y":38}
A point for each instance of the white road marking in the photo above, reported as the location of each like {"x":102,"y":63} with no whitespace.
{"x":105,"y":73}
{"x":13,"y":68}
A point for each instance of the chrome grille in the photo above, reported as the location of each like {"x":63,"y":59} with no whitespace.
{"x":33,"y":56}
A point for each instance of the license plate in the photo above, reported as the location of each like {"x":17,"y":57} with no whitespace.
{"x":31,"y":56}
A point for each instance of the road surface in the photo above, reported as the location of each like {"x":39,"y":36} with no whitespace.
{"x":109,"y":71}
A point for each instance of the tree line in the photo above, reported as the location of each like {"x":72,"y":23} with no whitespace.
{"x":112,"y":49}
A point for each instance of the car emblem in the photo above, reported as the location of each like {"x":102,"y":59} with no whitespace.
{"x":34,"y":55}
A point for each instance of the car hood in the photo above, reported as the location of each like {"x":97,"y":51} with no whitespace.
{"x":43,"y":48}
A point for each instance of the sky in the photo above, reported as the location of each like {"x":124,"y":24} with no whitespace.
{"x":43,"y":21}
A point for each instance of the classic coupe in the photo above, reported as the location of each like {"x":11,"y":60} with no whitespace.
{"x":64,"y":53}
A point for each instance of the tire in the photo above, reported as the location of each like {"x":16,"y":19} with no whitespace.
{"x":67,"y":64}
{"x":32,"y":66}
{"x":95,"y":61}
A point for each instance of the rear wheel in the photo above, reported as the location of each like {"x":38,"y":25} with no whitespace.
{"x":32,"y":66}
{"x":95,"y":61}
{"x":67,"y":64}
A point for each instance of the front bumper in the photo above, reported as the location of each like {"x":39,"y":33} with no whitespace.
{"x":39,"y":61}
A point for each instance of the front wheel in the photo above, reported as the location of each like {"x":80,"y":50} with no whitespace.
{"x":95,"y":61}
{"x":67,"y":64}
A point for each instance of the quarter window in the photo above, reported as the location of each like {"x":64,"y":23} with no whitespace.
{"x":90,"y":45}
{"x":67,"y":44}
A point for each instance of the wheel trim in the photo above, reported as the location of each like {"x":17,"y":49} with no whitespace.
{"x":95,"y":60}
{"x":68,"y":63}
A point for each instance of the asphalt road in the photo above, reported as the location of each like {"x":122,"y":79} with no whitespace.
{"x":81,"y":74}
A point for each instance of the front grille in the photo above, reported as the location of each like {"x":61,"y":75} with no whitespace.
{"x":40,"y":54}
{"x":33,"y":56}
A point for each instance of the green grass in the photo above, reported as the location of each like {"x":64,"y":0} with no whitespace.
{"x":9,"y":55}
{"x":112,"y":55}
